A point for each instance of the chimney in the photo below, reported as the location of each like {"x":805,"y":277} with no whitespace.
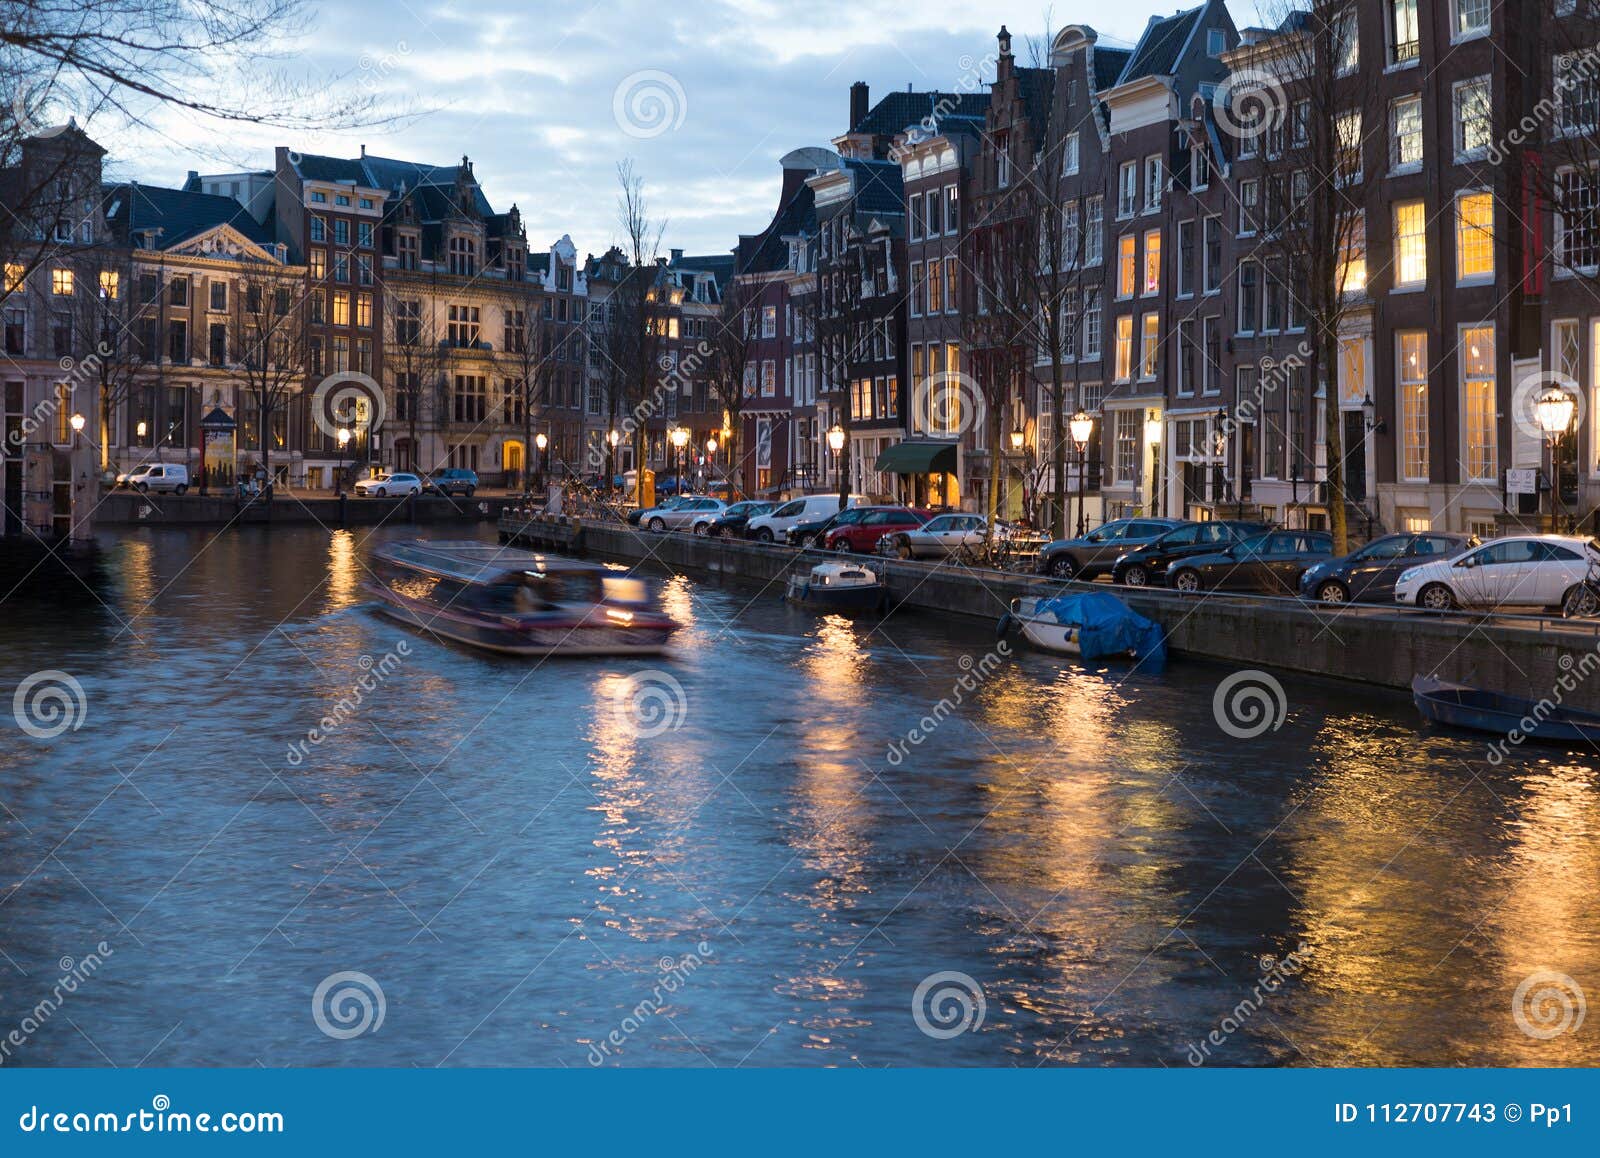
{"x":677,"y":256}
{"x":363,"y":152}
{"x":858,"y":103}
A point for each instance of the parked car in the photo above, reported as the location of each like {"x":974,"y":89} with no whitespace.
{"x":811,"y":532}
{"x":453,"y":481}
{"x":1522,"y":571}
{"x":1270,"y":563}
{"x":695,"y":514}
{"x":636,"y":516}
{"x":389,"y":485}
{"x":1148,"y":564}
{"x":1370,"y":573}
{"x":157,"y":476}
{"x":940,"y":537}
{"x":864,"y":533}
{"x":774,"y":525}
{"x":731,"y":522}
{"x":1091,"y":555}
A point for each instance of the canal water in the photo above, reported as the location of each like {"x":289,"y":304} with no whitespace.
{"x":286,"y":831}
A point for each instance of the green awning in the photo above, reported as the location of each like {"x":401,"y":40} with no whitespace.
{"x":918,"y":456}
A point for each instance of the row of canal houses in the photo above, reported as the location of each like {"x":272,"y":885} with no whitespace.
{"x":1185,"y":345}
{"x":883,"y":337}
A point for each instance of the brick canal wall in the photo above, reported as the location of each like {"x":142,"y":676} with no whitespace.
{"x":127,"y":509}
{"x":1371,"y":645}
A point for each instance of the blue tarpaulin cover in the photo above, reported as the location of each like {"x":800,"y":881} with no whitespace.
{"x":1107,"y":626}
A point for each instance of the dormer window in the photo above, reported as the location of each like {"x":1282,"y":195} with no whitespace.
{"x":318,"y":197}
{"x":463,"y":256}
{"x":1216,"y":42}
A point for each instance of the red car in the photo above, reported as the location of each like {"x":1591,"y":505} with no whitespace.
{"x":864,"y":533}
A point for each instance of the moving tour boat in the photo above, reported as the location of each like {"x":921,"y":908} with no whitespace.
{"x":1094,"y":625}
{"x":841,"y":588}
{"x":1466,"y":707}
{"x":516,"y":602}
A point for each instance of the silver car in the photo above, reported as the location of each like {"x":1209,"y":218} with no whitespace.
{"x":696,"y":515}
{"x":939,"y":537}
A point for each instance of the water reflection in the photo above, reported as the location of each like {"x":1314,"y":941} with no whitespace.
{"x":1086,"y":844}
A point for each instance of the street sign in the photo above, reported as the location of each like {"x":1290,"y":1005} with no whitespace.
{"x":1522,"y":481}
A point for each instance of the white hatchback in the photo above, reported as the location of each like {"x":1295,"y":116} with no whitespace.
{"x":388,"y":485}
{"x":1519,"y":571}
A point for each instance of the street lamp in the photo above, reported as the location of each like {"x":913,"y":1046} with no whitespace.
{"x":1553,"y":410}
{"x":343,"y":439}
{"x":1080,"y":427}
{"x":1152,"y":438}
{"x":679,"y":437}
{"x":1017,"y":439}
{"x":540,"y":440}
{"x":612,"y":438}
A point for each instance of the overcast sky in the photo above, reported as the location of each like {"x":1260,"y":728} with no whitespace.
{"x":546,"y":98}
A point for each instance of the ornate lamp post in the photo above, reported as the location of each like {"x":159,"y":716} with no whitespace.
{"x":836,"y":444}
{"x":612,"y":438}
{"x":1019,"y":438}
{"x":1553,"y":410}
{"x":711,"y":455}
{"x":343,"y":439}
{"x":1080,"y":427}
{"x":540,"y":440}
{"x":679,"y":437}
{"x":1152,"y":437}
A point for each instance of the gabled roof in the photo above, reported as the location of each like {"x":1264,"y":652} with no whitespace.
{"x":878,"y":187}
{"x":1160,"y":46}
{"x":767,"y":250}
{"x":179,"y":214}
{"x":1036,"y":87}
{"x":391,"y":173}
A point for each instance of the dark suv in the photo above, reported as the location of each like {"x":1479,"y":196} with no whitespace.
{"x":1094,"y":554}
{"x":452,"y":482}
{"x":1148,"y":564}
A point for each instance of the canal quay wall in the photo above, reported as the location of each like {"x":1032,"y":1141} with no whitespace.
{"x":127,"y":509}
{"x":1374,"y":645}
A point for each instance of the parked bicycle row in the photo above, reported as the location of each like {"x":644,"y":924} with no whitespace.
{"x":1434,"y":570}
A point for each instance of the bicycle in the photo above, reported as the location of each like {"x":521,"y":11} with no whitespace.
{"x":1583,"y":600}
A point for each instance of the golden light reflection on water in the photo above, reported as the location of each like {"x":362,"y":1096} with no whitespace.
{"x":834,"y":821}
{"x":344,"y":570}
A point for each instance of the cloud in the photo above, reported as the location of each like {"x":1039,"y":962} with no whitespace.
{"x":526,"y":89}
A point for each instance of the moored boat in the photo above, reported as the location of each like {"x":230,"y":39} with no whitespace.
{"x":1093,"y":625}
{"x":1461,"y":706}
{"x":516,"y":602}
{"x":841,"y":588}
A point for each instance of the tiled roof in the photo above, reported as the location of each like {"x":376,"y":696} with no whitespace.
{"x":878,"y":187}
{"x":1108,"y":66}
{"x":899,"y":110}
{"x":313,"y":167}
{"x":1163,"y":39}
{"x":767,"y":250}
{"x":180,"y":215}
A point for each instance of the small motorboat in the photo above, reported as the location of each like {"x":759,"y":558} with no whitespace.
{"x":1093,"y":625}
{"x":516,"y":602}
{"x":840,"y":588}
{"x":1482,"y":711}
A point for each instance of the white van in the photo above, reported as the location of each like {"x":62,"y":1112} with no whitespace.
{"x":157,"y":476}
{"x":775,"y":526}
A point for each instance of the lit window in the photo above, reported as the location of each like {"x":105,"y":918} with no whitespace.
{"x":110,"y":284}
{"x":1414,"y":405}
{"x":1126,"y":265}
{"x":1124,"y":365}
{"x":1477,"y":401}
{"x":1149,"y":345}
{"x":1353,"y":267}
{"x":1474,"y":236}
{"x":341,"y":308}
{"x":1152,"y":262}
{"x":1410,"y":244}
{"x":16,"y":275}
{"x":61,"y":282}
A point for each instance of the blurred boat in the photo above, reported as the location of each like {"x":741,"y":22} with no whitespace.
{"x":840,"y":588}
{"x":1482,"y":711}
{"x":516,"y":602}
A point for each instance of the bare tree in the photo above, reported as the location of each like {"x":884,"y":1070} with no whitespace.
{"x":640,"y":313}
{"x":108,"y":351}
{"x":412,"y":356}
{"x":271,"y":344}
{"x":1306,"y":106}
{"x":737,"y":327}
{"x":843,"y":318}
